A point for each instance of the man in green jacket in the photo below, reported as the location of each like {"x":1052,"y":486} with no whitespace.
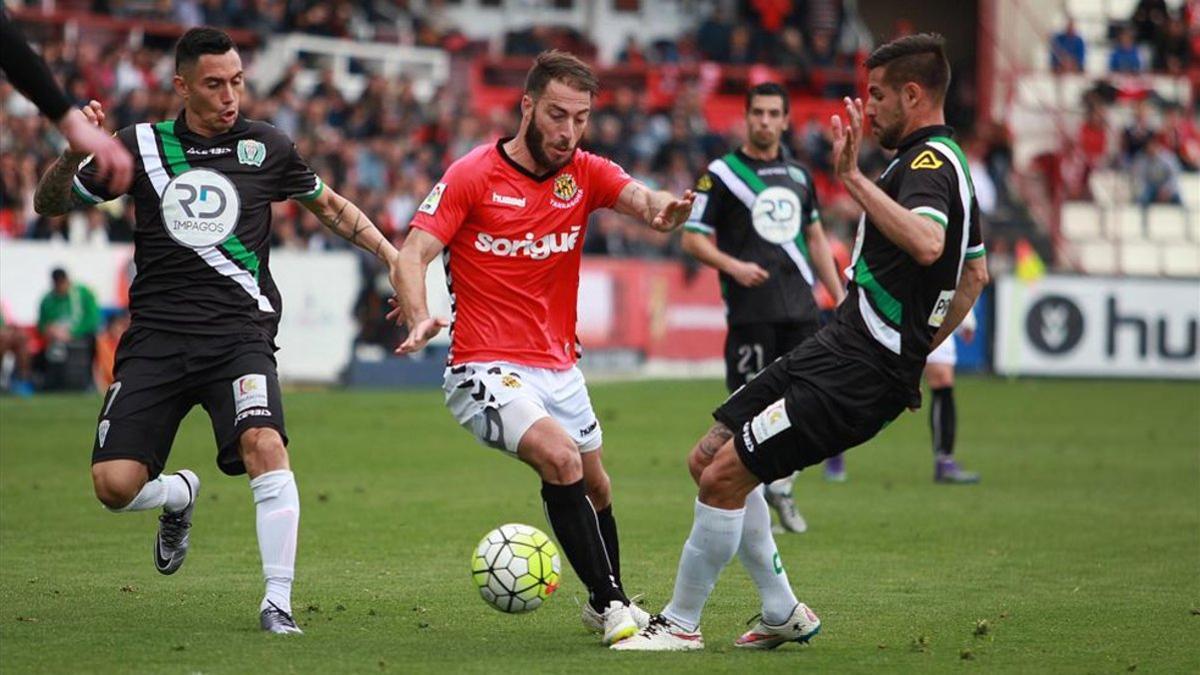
{"x":68,"y":312}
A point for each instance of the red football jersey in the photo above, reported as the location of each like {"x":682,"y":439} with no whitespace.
{"x":513,"y":246}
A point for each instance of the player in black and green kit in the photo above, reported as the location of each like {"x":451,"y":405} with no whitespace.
{"x":204,"y":308}
{"x":918,"y":267}
{"x":770,"y":248}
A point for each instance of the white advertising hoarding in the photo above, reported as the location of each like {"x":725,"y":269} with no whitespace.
{"x":318,"y":289}
{"x":1098,"y":327}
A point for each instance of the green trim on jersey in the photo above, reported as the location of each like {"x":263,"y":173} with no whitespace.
{"x":312,"y":194}
{"x":242,"y":255}
{"x":885,"y":301}
{"x":172,"y":149}
{"x":962,"y":159}
{"x":744,"y":172}
{"x":176,"y":164}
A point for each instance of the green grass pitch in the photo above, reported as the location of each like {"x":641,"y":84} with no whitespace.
{"x":1079,"y":552}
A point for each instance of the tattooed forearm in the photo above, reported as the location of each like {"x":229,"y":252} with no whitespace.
{"x":349,"y":223}
{"x":54,"y":195}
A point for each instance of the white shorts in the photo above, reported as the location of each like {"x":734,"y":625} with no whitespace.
{"x":497,"y":402}
{"x":945,"y":354}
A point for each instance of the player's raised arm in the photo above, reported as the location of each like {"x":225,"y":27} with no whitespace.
{"x":920,"y":237}
{"x":415,"y":255}
{"x":659,"y":209}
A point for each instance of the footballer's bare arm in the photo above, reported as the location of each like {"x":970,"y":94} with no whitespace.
{"x":659,"y":209}
{"x":54,"y":196}
{"x":349,"y":222}
{"x":419,"y":249}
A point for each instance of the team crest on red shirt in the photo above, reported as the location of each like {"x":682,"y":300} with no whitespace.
{"x":566,"y":190}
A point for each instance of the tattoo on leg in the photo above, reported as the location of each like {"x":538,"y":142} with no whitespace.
{"x":717,"y":436}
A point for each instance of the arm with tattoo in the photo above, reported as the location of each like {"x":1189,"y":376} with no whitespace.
{"x":346,"y":220}
{"x":54,"y":195}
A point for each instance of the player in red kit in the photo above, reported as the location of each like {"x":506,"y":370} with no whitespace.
{"x":508,"y":220}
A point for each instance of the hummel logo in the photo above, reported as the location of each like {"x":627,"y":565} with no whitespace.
{"x":209,"y":151}
{"x":518,"y":202}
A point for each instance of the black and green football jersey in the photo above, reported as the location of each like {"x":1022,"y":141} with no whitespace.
{"x":894,"y":306}
{"x":760,"y":212}
{"x":203,"y":223}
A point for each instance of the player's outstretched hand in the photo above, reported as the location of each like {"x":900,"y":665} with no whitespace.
{"x":83,"y":130}
{"x":847,"y":138}
{"x":421,"y":334}
{"x":675,"y":213}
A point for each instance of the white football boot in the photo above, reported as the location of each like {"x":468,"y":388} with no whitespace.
{"x":790,"y":519}
{"x":594,"y":621}
{"x":800,"y":627}
{"x":662,"y":636}
{"x":618,"y":623}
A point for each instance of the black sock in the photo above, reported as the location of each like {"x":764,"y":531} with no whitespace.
{"x":608,"y":530}
{"x":575,"y":525}
{"x":942,"y":421}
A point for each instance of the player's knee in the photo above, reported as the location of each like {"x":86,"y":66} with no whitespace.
{"x":939,"y":376}
{"x":113,"y":489}
{"x":263,"y":450}
{"x":720,"y":489}
{"x":561,"y":465}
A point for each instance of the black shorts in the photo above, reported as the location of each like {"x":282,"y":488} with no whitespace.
{"x":751,"y":347}
{"x":809,"y":405}
{"x":159,"y":376}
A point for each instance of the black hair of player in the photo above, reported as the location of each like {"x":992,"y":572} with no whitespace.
{"x":768,"y":89}
{"x":58,"y":275}
{"x":199,"y":41}
{"x":917,"y":58}
{"x":554,"y":64}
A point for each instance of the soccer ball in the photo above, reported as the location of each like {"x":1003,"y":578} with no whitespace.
{"x":516,"y":568}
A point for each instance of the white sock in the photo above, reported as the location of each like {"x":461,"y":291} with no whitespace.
{"x":760,"y":557}
{"x":783,"y":486}
{"x":708,"y":549}
{"x":168,"y":491}
{"x":277,"y":507}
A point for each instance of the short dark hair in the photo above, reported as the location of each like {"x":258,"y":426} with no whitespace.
{"x":917,"y":58}
{"x":768,"y":89}
{"x":569,"y":69}
{"x":58,"y":274}
{"x":199,"y":41}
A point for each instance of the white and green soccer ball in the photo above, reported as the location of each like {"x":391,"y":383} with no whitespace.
{"x":516,"y":568}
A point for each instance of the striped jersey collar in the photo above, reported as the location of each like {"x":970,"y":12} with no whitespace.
{"x":181,"y":129}
{"x":923,"y":134}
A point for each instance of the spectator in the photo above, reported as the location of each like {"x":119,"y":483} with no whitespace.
{"x":14,"y":341}
{"x":1149,"y":19}
{"x":68,"y":311}
{"x":1156,"y":174}
{"x":1137,"y":135}
{"x":106,"y":348}
{"x":1067,"y":50}
{"x":68,"y":319}
{"x":1182,"y":136}
{"x":1125,"y":57}
{"x":1093,"y":136}
{"x":714,"y":36}
{"x":1172,"y":48}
